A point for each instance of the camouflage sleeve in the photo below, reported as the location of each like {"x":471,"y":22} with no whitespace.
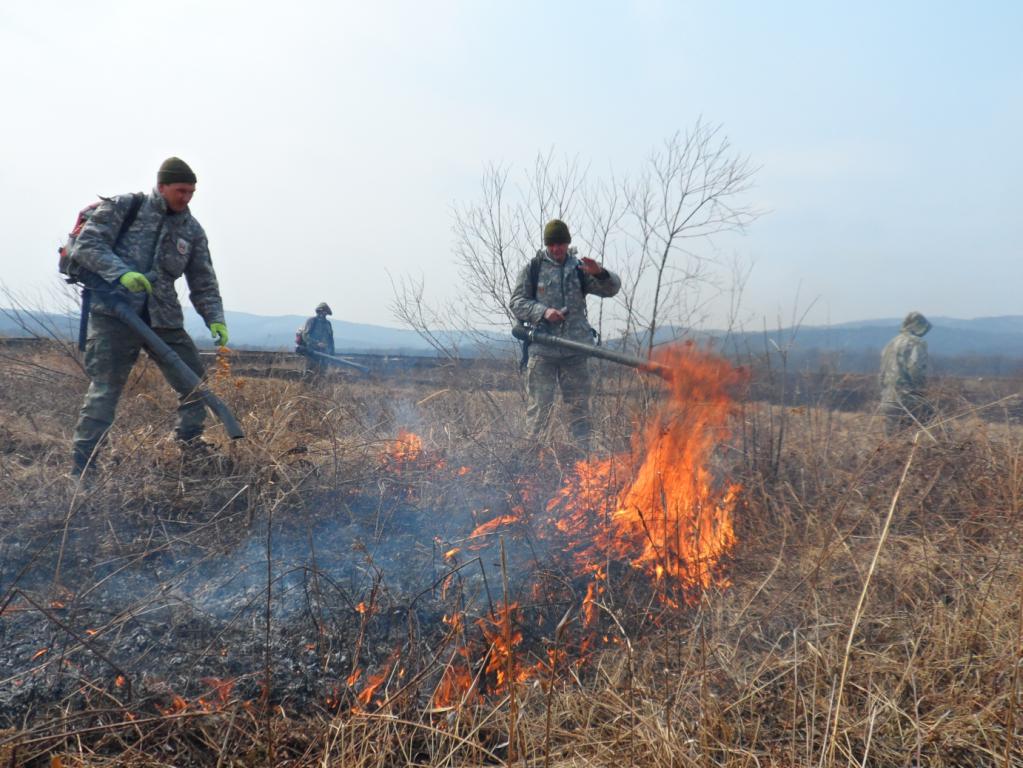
{"x":203,"y":289}
{"x":330,"y":338}
{"x":606,"y":285}
{"x":94,"y":246}
{"x":889,"y":365}
{"x":522,"y":305}
{"x":307,"y":329}
{"x":916,"y":364}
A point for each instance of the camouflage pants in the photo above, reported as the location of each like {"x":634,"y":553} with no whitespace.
{"x":110,"y":352}
{"x":543,"y":377}
{"x":315,"y":367}
{"x":904,"y":410}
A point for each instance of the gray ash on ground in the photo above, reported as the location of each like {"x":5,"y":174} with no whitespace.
{"x":148,"y":613}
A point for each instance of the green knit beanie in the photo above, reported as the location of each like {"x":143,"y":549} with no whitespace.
{"x":174,"y":170}
{"x":556,"y":231}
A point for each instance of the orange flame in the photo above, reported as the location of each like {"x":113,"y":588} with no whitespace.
{"x":406,"y":447}
{"x":221,"y":688}
{"x":456,"y":686}
{"x":504,"y":639}
{"x":671,"y":521}
{"x":177,"y":705}
{"x":373,"y":682}
{"x":493,"y":525}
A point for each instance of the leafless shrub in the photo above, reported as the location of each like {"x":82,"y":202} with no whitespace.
{"x":653,"y":229}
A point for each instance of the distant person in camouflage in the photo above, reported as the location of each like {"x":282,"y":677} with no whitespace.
{"x":904,"y":376}
{"x":161,"y":244}
{"x":551,"y":293}
{"x":317,"y":335}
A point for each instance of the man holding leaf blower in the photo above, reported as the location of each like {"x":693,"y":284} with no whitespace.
{"x":551,"y":293}
{"x":140,"y":244}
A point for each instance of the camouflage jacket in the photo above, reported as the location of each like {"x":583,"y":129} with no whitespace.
{"x":318,"y":335}
{"x":904,"y":361}
{"x":557,"y":286}
{"x":160,"y":244}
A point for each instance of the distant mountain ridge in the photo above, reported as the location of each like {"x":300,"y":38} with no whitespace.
{"x":951,"y":337}
{"x":278,"y":332}
{"x":247,"y":330}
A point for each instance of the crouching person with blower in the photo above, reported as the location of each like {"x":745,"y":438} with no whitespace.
{"x":141,"y":244}
{"x":551,"y":293}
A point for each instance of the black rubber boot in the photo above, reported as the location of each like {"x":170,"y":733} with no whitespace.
{"x":83,"y":462}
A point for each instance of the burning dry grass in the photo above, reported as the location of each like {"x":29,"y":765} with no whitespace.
{"x":781,"y":665}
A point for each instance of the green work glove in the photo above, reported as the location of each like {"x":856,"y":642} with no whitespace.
{"x":136,"y":282}
{"x":219,"y":332}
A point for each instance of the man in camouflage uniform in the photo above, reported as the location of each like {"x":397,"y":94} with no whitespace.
{"x":317,"y":335}
{"x":161,"y":244}
{"x":904,"y":375}
{"x":551,"y":292}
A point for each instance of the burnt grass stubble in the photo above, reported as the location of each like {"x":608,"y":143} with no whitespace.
{"x":180,"y":611}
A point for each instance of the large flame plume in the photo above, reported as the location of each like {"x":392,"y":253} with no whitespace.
{"x":670,"y":518}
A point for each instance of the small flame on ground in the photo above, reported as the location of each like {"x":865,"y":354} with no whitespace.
{"x":493,"y":525}
{"x":504,"y":637}
{"x":373,"y":682}
{"x":406,"y":447}
{"x":456,"y":687}
{"x":220,"y":688}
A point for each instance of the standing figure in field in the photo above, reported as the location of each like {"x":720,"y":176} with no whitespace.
{"x":904,"y":376}
{"x":317,"y":335}
{"x":143,"y":243}
{"x":551,"y":293}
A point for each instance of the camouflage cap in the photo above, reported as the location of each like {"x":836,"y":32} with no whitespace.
{"x":324,"y":307}
{"x":556,"y":231}
{"x":916,"y":324}
{"x":174,"y":170}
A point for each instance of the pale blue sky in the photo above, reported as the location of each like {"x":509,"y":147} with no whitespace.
{"x":332,"y":139}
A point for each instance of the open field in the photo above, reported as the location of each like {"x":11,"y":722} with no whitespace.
{"x":385,"y":573}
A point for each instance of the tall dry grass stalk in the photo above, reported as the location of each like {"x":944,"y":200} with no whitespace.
{"x":857,"y":615}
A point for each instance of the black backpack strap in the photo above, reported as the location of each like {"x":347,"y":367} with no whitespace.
{"x":130,"y":216}
{"x":534,"y":275}
{"x":579,"y":272}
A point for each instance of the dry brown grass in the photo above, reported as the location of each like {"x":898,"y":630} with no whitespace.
{"x":927,"y":667}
